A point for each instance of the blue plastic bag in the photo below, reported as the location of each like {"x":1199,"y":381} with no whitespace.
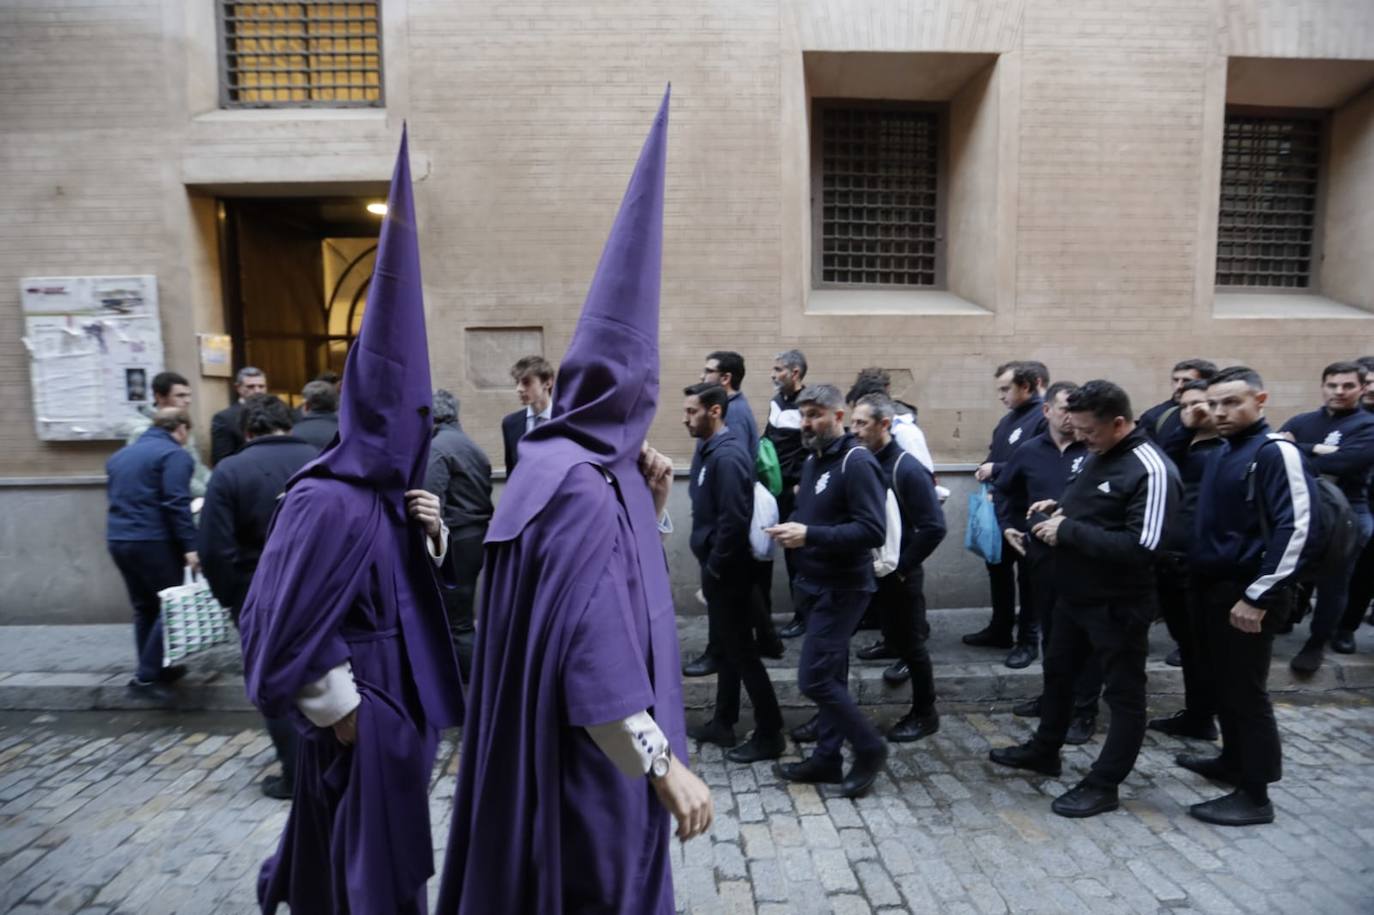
{"x":983,"y":534}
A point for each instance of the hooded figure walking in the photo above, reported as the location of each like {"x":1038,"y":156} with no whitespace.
{"x":574,"y":749}
{"x":343,"y":628}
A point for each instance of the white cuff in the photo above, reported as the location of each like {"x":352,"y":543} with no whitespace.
{"x":665,"y":523}
{"x":438,"y":556}
{"x":631,"y":744}
{"x":329,"y":699}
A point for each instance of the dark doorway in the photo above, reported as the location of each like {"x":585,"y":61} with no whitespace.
{"x":296,"y":274}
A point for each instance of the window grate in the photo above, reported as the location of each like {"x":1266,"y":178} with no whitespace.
{"x":302,"y":54}
{"x":879,"y":220}
{"x":1269,"y":172}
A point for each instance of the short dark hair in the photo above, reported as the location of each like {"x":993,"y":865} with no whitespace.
{"x":1237,"y":373}
{"x":792,"y":359}
{"x":1367,"y":362}
{"x":329,"y":376}
{"x":864,"y":387}
{"x":1103,"y":399}
{"x":532,"y":365}
{"x":1022,"y":374}
{"x":163,"y":381}
{"x":171,"y":418}
{"x":821,"y":395}
{"x":248,"y":371}
{"x":264,"y":414}
{"x":882,"y":406}
{"x":1053,"y":390}
{"x":446,"y":406}
{"x":320,"y":396}
{"x":1039,"y":369}
{"x":1205,"y":368}
{"x":710,"y":394}
{"x":1197,"y":384}
{"x":1344,"y":367}
{"x":732,"y":362}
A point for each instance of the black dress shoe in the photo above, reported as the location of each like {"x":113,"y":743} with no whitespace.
{"x":913,"y":727}
{"x":1210,"y":767}
{"x":713,"y":731}
{"x":152,"y":691}
{"x":277,"y":787}
{"x":703,"y":666}
{"x":1022,"y":656}
{"x":988,"y":638}
{"x":1085,"y":800}
{"x":896,"y":673}
{"x":1309,"y":658}
{"x":1028,"y":709}
{"x":793,"y":629}
{"x":1174,"y":658}
{"x":1027,"y":756}
{"x":1343,"y":642}
{"x":1081,"y":730}
{"x":809,"y":732}
{"x":772,"y":648}
{"x":172,"y":674}
{"x":878,"y":651}
{"x":864,"y":772}
{"x":1235,"y":809}
{"x":758,"y":747}
{"x":811,"y":771}
{"x":1184,"y":723}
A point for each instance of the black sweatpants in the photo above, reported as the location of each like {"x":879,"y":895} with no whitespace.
{"x":1087,"y":686}
{"x":729,"y":605}
{"x":900,"y":602}
{"x":464,"y":561}
{"x":1005,"y":580}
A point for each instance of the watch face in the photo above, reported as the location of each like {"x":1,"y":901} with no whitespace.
{"x":660,"y":767}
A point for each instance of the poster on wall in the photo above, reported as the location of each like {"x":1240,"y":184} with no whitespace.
{"x":95,"y":343}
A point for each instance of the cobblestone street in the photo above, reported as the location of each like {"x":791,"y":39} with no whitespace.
{"x":144,"y":813}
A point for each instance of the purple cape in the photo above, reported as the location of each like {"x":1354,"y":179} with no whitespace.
{"x":345,"y":577}
{"x":577,"y":626}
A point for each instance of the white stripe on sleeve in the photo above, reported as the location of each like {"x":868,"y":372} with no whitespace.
{"x":1302,"y":521}
{"x":1156,"y":496}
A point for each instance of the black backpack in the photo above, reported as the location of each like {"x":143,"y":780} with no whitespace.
{"x":1340,"y":531}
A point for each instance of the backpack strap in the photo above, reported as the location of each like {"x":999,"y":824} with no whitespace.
{"x":1164,"y":418}
{"x":845,"y":463}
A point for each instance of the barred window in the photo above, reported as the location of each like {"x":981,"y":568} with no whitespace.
{"x":877,"y":201}
{"x":1269,"y":191}
{"x":310,"y":53}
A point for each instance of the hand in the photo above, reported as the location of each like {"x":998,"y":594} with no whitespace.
{"x":193,"y":561}
{"x":1246,"y":617}
{"x":346,"y":729}
{"x":687,"y":798}
{"x":658,"y":473}
{"x":1048,"y":506}
{"x":983,"y":473}
{"x":1015,"y":539}
{"x":423,"y":506}
{"x":1321,"y":450}
{"x":789,"y":535}
{"x":1048,"y":531}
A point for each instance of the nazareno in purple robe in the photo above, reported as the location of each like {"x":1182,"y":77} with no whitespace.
{"x":345,"y":577}
{"x":577,"y":626}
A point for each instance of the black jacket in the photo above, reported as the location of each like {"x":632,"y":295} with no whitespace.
{"x":1018,"y":426}
{"x":1117,"y":510}
{"x":1036,"y":471}
{"x":923,"y":521}
{"x":226,"y":437}
{"x":722,"y":492}
{"x":460,"y":475}
{"x":317,"y":428}
{"x":512,"y":430}
{"x":1352,"y":434}
{"x":784,"y":431}
{"x":239,"y":504}
{"x":842,"y":500}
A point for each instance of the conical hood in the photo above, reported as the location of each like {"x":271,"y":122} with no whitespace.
{"x":607,"y":390}
{"x":385,"y":397}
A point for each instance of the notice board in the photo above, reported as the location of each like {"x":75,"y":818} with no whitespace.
{"x":95,"y":343}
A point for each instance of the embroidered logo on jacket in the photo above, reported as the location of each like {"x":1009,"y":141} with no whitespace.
{"x":1104,"y":486}
{"x":823,"y":482}
{"x":1333,"y":438}
{"x":1077,"y":464}
{"x":1015,"y":436}
{"x":701,"y":477}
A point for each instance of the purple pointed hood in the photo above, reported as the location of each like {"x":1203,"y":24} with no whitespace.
{"x":385,"y":397}
{"x":607,"y":390}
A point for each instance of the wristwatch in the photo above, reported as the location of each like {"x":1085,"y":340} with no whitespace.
{"x":658,"y":766}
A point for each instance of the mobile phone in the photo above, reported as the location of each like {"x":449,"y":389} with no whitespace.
{"x":1037,"y":517}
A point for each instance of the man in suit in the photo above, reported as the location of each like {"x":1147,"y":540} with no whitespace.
{"x":319,"y":419}
{"x":226,"y":437}
{"x":533,"y":378}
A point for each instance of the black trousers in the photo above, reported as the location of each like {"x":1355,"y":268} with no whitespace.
{"x":464,"y":561}
{"x":1237,"y":665}
{"x":1116,"y":634}
{"x":147,"y":567}
{"x":823,"y":670}
{"x":1005,"y":579}
{"x":728,"y":604}
{"x":1087,"y":684}
{"x":1361,"y":590}
{"x":901,"y":605}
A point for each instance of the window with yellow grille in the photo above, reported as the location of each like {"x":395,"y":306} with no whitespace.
{"x":311,"y":53}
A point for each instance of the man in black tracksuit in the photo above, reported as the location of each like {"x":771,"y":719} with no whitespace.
{"x":1361,"y":590}
{"x":1105,"y":533}
{"x":784,"y":431}
{"x":900,"y":598}
{"x":1017,"y":387}
{"x":722,"y":493}
{"x":839,"y":520}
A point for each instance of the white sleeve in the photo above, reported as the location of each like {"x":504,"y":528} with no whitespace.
{"x":911,"y":439}
{"x":631,"y":743}
{"x":329,"y":699}
{"x":438,"y":554}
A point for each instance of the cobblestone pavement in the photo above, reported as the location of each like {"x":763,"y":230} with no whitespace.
{"x":146,"y":813}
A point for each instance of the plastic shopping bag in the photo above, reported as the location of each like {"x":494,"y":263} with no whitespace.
{"x":192,"y":620}
{"x":983,"y":534}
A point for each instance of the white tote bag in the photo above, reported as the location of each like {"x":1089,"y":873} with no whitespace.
{"x":761,"y":545}
{"x":192,"y":620}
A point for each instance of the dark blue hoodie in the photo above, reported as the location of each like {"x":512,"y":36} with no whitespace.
{"x":1352,"y":434}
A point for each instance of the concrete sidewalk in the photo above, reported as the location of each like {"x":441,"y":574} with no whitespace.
{"x":75,"y":668}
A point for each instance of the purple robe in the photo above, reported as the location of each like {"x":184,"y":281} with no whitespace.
{"x":345,"y":577}
{"x":577,"y":626}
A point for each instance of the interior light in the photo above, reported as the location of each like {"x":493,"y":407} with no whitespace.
{"x":377,"y":209}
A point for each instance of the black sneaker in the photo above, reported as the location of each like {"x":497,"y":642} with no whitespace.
{"x":809,"y":732}
{"x":988,"y":638}
{"x":1028,"y":756}
{"x":896,"y":673}
{"x":1210,"y":767}
{"x":1174,"y":658}
{"x":1235,"y":809}
{"x":703,"y":666}
{"x":277,"y":787}
{"x":772,"y":648}
{"x":758,"y":747}
{"x":811,"y":771}
{"x":878,"y":651}
{"x":713,"y":731}
{"x":1184,"y":723}
{"x":1086,"y":800}
{"x":172,"y":674}
{"x":1343,"y":642}
{"x":1081,"y":730}
{"x":793,"y":629}
{"x":1022,"y":656}
{"x":1028,"y":709}
{"x":1309,"y":659}
{"x":913,"y":727}
{"x":863,"y":772}
{"x":151,"y":690}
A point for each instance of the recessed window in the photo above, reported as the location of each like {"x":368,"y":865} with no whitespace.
{"x":1270,"y":174}
{"x":310,"y":53}
{"x":877,"y":209}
